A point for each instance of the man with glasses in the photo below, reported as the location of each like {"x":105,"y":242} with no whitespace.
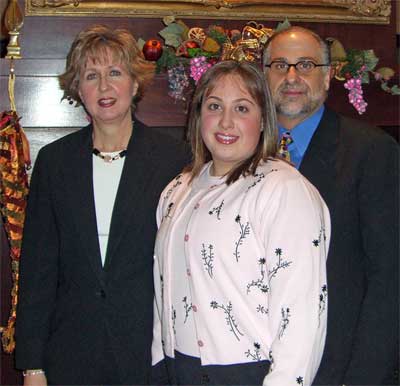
{"x":355,"y":168}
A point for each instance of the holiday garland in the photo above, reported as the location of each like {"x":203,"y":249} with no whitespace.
{"x":188,"y":52}
{"x":358,"y":67}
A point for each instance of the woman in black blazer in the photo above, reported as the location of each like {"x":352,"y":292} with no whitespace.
{"x":86,"y":287}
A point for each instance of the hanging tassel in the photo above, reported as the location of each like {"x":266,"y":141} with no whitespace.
{"x":11,"y":84}
{"x":14,"y":163}
{"x":13,"y":197}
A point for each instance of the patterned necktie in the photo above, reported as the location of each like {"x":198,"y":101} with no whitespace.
{"x":284,"y":143}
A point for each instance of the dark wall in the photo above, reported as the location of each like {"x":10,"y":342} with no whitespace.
{"x":46,"y":40}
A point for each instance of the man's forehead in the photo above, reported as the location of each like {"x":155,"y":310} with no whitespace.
{"x":295,"y":44}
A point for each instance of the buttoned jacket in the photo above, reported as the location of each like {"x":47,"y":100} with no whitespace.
{"x":355,"y":168}
{"x":67,"y":299}
{"x":256,"y":252}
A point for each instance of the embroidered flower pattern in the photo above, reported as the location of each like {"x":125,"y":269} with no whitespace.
{"x":174,"y":186}
{"x":271,"y":361}
{"x":281,"y":264}
{"x":173,"y":316}
{"x":244,"y":231}
{"x":260,"y":283}
{"x":187,"y":307}
{"x":285,"y":312}
{"x":207,"y":255}
{"x":255,"y":353}
{"x":169,"y":208}
{"x":162,"y":286}
{"x":300,"y":381}
{"x":257,"y":178}
{"x":322,"y":236}
{"x":323,"y":297}
{"x":217,"y":210}
{"x":230,"y":319}
{"x":262,"y":310}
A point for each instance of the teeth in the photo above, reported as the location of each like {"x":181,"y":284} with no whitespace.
{"x":106,"y":101}
{"x":225,"y":137}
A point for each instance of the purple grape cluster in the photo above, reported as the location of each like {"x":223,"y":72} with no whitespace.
{"x":198,"y":66}
{"x":178,"y":81}
{"x":356,"y":94}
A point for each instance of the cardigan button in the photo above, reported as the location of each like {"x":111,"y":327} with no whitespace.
{"x":194,"y":308}
{"x":197,"y":206}
{"x":186,"y":237}
{"x":200,"y":343}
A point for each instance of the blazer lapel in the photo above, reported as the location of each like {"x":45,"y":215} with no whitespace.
{"x":79,"y":185}
{"x":319,"y":162}
{"x":132,"y":188}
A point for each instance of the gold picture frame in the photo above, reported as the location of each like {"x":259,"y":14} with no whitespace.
{"x":333,"y":11}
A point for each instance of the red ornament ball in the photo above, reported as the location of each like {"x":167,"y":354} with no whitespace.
{"x":152,"y":50}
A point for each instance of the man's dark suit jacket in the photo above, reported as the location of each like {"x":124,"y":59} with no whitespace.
{"x":355,"y":168}
{"x":67,"y":300}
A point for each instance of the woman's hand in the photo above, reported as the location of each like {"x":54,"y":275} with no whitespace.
{"x":35,"y":379}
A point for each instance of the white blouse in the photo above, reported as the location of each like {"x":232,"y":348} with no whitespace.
{"x":240,"y":272}
{"x":106,"y":177}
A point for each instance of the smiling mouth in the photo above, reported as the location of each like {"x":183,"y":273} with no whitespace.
{"x":293,"y":90}
{"x":106,"y":102}
{"x":226,"y":139}
{"x":292,"y":93}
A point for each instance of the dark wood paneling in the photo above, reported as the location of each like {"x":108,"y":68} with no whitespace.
{"x":40,"y":136}
{"x":38,"y":102}
{"x":50,"y":37}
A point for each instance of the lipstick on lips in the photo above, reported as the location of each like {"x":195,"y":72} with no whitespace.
{"x":226,"y":139}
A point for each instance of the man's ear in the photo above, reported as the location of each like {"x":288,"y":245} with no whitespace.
{"x":328,"y":77}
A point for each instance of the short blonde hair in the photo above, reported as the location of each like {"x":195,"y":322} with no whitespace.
{"x":256,"y":85}
{"x":96,"y":43}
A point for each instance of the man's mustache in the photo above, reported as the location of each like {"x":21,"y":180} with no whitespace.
{"x":293,"y":87}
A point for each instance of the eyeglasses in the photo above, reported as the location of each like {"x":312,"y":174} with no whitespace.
{"x":302,"y":66}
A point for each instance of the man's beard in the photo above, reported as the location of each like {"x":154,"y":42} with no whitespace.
{"x":299,"y":107}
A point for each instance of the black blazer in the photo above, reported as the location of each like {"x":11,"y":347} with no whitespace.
{"x":68,"y":302}
{"x":355,"y":168}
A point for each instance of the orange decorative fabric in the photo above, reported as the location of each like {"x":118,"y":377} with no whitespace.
{"x":14,"y":162}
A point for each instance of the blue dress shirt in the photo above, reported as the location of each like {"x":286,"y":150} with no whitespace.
{"x":301,"y":135}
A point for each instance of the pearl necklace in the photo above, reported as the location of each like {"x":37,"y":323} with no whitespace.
{"x":107,"y":158}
